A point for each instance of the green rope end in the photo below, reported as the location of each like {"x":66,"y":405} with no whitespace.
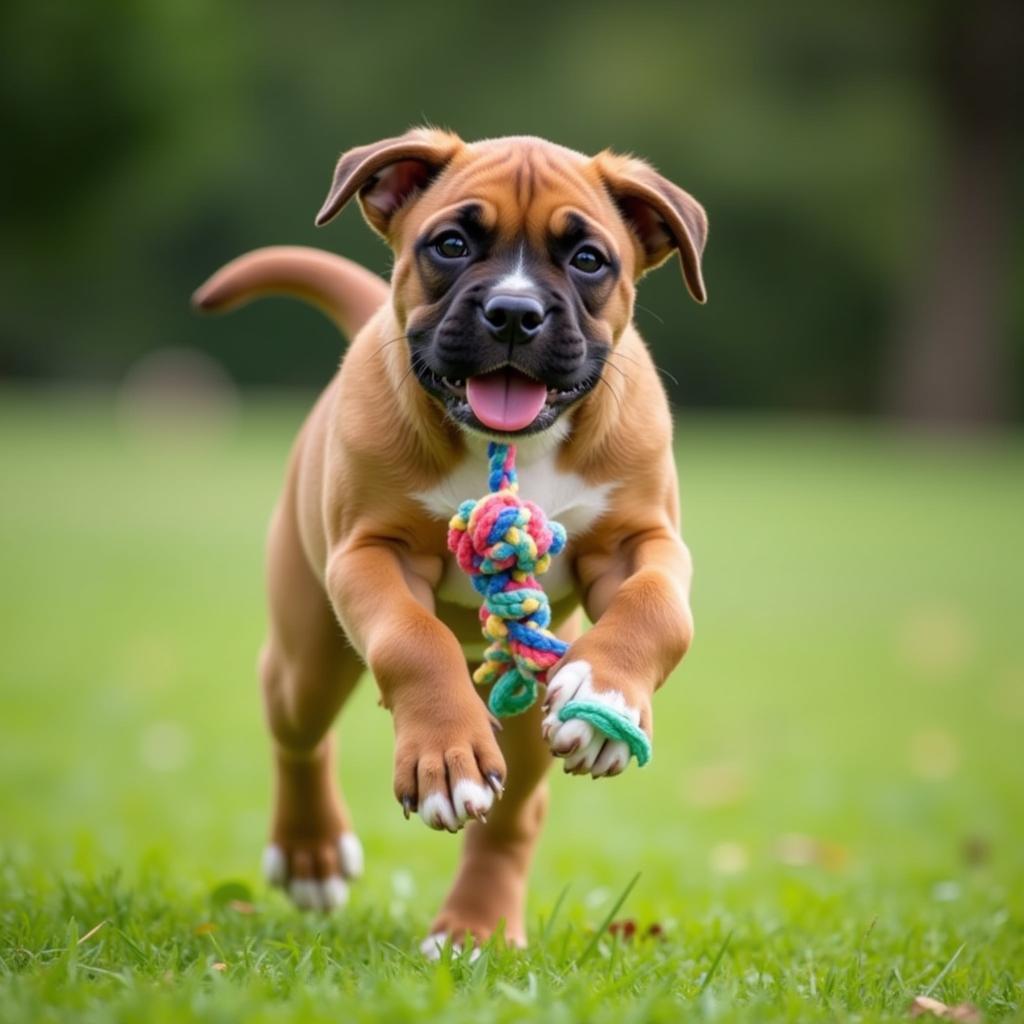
{"x":612,"y":723}
{"x":512,"y":694}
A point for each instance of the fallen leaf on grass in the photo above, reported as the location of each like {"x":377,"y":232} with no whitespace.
{"x":800,"y":851}
{"x":91,"y":932}
{"x":206,"y":928}
{"x":720,"y":784}
{"x":937,"y":641}
{"x":219,"y":966}
{"x":241,"y":907}
{"x":934,"y":754}
{"x":967,"y":1013}
{"x":728,"y":858}
{"x":628,"y":929}
{"x":976,"y":850}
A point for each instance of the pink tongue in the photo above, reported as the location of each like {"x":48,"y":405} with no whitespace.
{"x":505,"y":400}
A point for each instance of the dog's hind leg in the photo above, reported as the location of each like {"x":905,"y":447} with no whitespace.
{"x":308,"y":671}
{"x":490,"y":887}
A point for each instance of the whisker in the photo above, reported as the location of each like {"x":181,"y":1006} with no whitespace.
{"x":412,"y":366}
{"x":647,"y":309}
{"x":607,"y":361}
{"x":635,"y":361}
{"x":386,"y":343}
{"x":671,"y":376}
{"x":615,"y":395}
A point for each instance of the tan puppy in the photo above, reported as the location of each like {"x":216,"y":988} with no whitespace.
{"x":511,"y":295}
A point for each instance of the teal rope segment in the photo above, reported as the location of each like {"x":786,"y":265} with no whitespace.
{"x":612,"y":723}
{"x":504,"y":543}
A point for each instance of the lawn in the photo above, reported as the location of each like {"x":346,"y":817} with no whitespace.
{"x":833,"y":822}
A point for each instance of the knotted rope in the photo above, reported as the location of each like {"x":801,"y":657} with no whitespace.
{"x":503,"y":544}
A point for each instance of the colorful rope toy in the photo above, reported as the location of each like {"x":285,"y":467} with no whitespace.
{"x":503,"y":544}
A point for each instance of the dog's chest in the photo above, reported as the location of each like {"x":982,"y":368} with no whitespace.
{"x":565,"y":497}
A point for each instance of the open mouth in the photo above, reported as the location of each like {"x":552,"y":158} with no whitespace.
{"x":505,"y":401}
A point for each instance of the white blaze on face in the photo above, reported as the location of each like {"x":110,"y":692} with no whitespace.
{"x":517,"y":281}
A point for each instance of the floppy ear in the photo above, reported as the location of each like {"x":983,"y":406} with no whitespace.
{"x":386,"y":173}
{"x":663,"y":217}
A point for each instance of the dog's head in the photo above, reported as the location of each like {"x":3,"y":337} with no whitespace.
{"x":516,"y":262}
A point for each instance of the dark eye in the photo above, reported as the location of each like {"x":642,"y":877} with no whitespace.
{"x":452,"y":246}
{"x":588,"y":260}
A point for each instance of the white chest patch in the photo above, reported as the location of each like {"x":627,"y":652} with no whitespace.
{"x":565,"y":497}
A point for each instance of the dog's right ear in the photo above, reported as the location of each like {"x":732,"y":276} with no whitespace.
{"x":386,"y":174}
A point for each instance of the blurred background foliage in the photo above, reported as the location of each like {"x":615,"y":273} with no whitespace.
{"x":860,"y":164}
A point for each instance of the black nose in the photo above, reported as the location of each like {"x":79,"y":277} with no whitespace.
{"x":513,"y":318}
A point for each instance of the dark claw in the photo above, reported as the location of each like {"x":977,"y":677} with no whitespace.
{"x":496,"y":783}
{"x":496,"y":724}
{"x":407,"y":806}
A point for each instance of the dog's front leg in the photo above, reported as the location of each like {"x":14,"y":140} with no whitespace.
{"x":448,"y":765}
{"x":637,"y":593}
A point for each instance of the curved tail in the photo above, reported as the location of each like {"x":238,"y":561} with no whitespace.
{"x":348,"y":293}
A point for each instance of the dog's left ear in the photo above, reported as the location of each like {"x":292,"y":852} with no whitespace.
{"x":663,"y":217}
{"x":385,"y":174}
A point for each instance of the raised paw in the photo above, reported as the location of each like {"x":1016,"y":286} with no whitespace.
{"x":314,"y":874}
{"x":584,"y":748}
{"x":448,"y":784}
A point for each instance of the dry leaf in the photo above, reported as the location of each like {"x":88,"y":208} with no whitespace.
{"x":242,"y":907}
{"x":219,"y":966}
{"x":627,"y":928}
{"x":934,"y":754}
{"x":205,"y":928}
{"x":720,"y":784}
{"x":966,"y":1013}
{"x":799,"y":851}
{"x":91,"y":932}
{"x":728,"y":858}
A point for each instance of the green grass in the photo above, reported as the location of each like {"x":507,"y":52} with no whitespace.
{"x":857,"y":686}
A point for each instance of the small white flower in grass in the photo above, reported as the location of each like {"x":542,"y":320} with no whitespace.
{"x":946,"y":892}
{"x":164,"y":747}
{"x":728,"y":858}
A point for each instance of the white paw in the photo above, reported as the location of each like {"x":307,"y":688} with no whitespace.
{"x":432,"y":947}
{"x":467,"y":799}
{"x":318,"y":893}
{"x":350,"y":854}
{"x":275,"y":865}
{"x":584,"y":747}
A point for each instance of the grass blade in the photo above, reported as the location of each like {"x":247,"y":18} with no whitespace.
{"x":550,"y":922}
{"x":714,"y":963}
{"x":945,"y":970}
{"x":592,"y":944}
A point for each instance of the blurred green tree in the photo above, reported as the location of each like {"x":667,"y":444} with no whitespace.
{"x":150,"y":142}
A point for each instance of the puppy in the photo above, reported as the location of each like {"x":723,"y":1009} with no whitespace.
{"x":509,"y":315}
